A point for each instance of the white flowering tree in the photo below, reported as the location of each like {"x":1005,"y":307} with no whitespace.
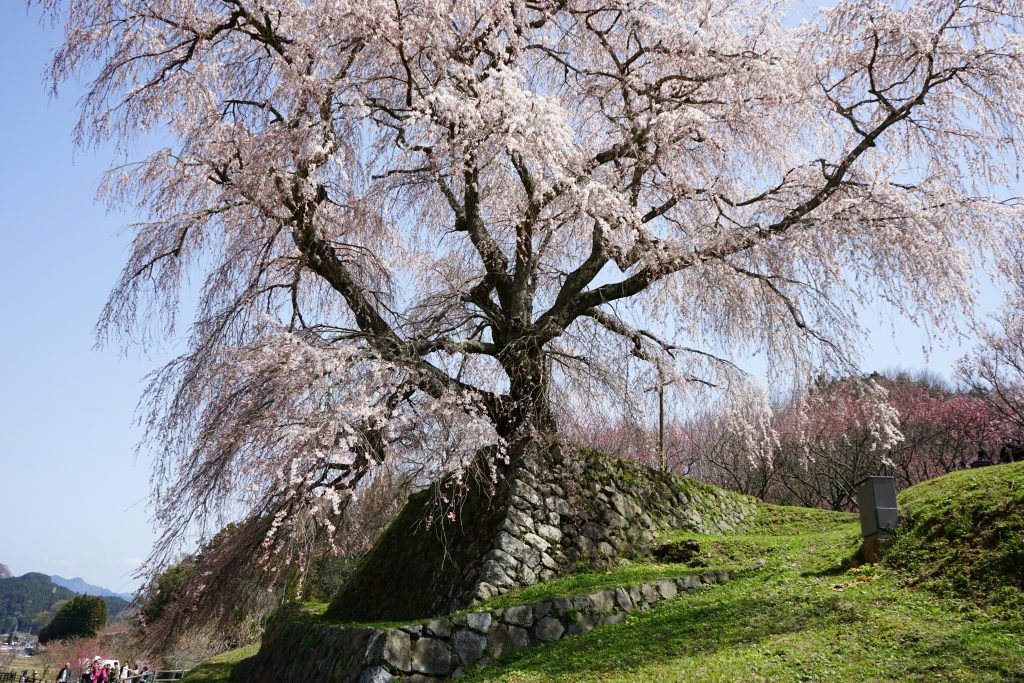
{"x":424,"y":227}
{"x":995,"y":369}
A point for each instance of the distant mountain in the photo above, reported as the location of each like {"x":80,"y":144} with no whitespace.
{"x":27,"y":603}
{"x":24,"y":598}
{"x":78,"y":585}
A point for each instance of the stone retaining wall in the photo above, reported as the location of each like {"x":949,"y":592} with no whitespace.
{"x":584,"y":513}
{"x":554,"y":514}
{"x":436,"y":649}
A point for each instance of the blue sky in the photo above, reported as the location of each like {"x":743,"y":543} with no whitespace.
{"x":73,"y":493}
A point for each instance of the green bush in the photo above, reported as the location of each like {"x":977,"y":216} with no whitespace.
{"x":82,"y":616}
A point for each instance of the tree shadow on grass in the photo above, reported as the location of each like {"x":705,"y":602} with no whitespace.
{"x":677,"y":630}
{"x":848,"y":563}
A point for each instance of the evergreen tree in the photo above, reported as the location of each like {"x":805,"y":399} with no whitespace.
{"x":83,"y":615}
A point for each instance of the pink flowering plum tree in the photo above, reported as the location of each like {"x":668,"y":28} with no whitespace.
{"x":827,"y":439}
{"x":422,"y":230}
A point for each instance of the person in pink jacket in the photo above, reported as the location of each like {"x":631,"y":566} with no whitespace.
{"x":99,"y":673}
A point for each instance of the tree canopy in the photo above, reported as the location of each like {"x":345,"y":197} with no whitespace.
{"x":81,"y":616}
{"x":425,"y":227}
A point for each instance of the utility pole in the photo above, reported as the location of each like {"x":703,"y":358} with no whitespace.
{"x":661,"y":422}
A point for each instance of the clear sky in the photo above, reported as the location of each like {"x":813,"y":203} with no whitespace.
{"x":73,"y":495}
{"x":72,"y":492}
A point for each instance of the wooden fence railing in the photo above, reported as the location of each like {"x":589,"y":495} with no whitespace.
{"x":161,"y":676}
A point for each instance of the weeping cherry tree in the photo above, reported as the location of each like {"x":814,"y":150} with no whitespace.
{"x":423,"y":232}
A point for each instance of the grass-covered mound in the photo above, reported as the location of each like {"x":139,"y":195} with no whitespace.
{"x":809,"y":614}
{"x":963,"y":533}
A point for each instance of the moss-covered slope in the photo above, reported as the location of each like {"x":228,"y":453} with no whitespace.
{"x":415,"y":569}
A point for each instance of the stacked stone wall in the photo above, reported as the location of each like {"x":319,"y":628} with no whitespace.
{"x":573,"y":514}
{"x":437,"y":649}
{"x":554,"y":514}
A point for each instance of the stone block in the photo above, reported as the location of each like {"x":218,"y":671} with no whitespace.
{"x":621,"y":545}
{"x":527,"y":478}
{"x":520,"y":615}
{"x":667,"y":588}
{"x":527,"y":577}
{"x":613,"y":618}
{"x":603,"y":601}
{"x":520,"y":518}
{"x":536,"y":541}
{"x":548,"y":562}
{"x":618,"y":502}
{"x":418,"y":678}
{"x":431,"y":656}
{"x":440,"y":628}
{"x":623,"y":600}
{"x":469,"y":646}
{"x":494,"y":574}
{"x":560,"y":606}
{"x":583,"y":603}
{"x":548,"y":630}
{"x":479,"y":621}
{"x":504,"y":639}
{"x":376,"y":674}
{"x":391,"y":648}
{"x":484,"y":592}
{"x":557,"y":504}
{"x":502,"y":557}
{"x":614,"y":520}
{"x":549,"y":533}
{"x":650,"y":593}
{"x":510,"y":544}
{"x":583,"y":624}
{"x":688,"y":583}
{"x":527,"y":493}
{"x":593,"y":531}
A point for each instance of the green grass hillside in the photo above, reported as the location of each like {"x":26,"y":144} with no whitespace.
{"x":801,"y":608}
{"x":963,"y":534}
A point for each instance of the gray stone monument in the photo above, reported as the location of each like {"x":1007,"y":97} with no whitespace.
{"x":876,"y":497}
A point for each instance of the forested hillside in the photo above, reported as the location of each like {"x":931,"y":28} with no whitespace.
{"x":28,"y":602}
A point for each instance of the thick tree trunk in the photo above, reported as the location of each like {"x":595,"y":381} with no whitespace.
{"x":526,"y":415}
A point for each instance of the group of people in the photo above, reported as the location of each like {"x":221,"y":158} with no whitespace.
{"x":100,"y":672}
{"x":1007,"y":454}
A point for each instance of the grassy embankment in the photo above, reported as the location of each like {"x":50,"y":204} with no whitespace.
{"x":946,"y":604}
